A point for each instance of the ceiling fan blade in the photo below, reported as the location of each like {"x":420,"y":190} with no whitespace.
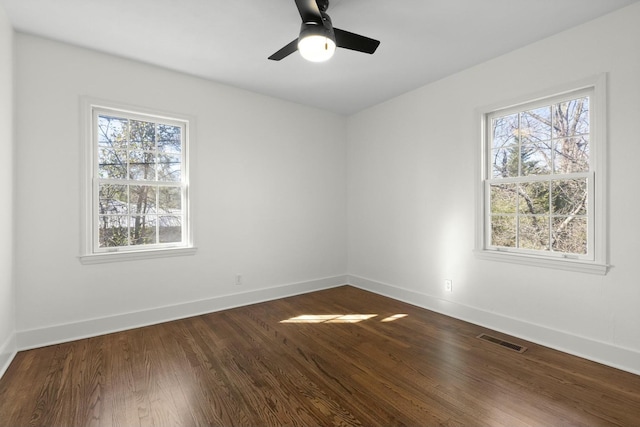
{"x":285,"y":51}
{"x":309,"y":11}
{"x":354,"y":41}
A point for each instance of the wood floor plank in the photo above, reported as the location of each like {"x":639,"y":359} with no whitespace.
{"x":121,"y":396}
{"x":22,"y":383}
{"x":87,"y":382}
{"x":387,"y":363}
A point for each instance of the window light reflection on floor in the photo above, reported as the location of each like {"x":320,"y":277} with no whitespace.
{"x":338,"y":318}
{"x":329,"y":318}
{"x":311,"y":318}
{"x":394,"y":317}
{"x":351,"y":318}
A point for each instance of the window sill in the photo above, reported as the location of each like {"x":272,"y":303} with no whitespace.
{"x":135,"y":255}
{"x":557,"y":263}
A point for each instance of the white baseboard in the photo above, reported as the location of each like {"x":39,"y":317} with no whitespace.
{"x":41,"y":337}
{"x":7,"y":353}
{"x":607,"y":354}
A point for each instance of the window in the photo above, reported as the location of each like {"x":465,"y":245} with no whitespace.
{"x":137,"y":190}
{"x":543,"y":182}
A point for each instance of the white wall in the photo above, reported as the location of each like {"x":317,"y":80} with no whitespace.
{"x":269,"y":192}
{"x":7,"y":297}
{"x":411,"y":198}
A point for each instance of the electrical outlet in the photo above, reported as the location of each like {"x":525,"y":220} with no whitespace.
{"x":238,"y":279}
{"x":448,"y":285}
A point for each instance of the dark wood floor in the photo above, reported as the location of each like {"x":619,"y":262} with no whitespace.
{"x":247,"y":367}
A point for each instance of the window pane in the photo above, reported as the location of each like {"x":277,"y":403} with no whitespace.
{"x":138,"y":198}
{"x":112,"y":132}
{"x":504,"y":130}
{"x":142,"y":199}
{"x":143,"y":229}
{"x":169,"y":139}
{"x":570,"y":235}
{"x":112,"y":199}
{"x":112,"y":164}
{"x":113,"y":231}
{"x":536,"y":159}
{"x":533,"y":198}
{"x":535,"y":125}
{"x":170,"y":199}
{"x":538,"y":163}
{"x":505,"y":162}
{"x":569,"y":197}
{"x":503,"y":231}
{"x":571,"y":118}
{"x":170,"y":229}
{"x":169,"y":167}
{"x":504,"y":198}
{"x":143,"y":135}
{"x":534,"y":232}
{"x":142,"y":165}
{"x":571,"y":155}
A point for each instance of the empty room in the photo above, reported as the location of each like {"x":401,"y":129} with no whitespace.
{"x":316,"y":213}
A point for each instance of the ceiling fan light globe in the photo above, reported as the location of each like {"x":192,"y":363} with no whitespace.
{"x":316,"y":48}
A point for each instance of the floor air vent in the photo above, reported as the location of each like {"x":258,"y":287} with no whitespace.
{"x":503,"y":343}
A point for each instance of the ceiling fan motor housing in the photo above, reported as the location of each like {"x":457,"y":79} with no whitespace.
{"x":324,"y":29}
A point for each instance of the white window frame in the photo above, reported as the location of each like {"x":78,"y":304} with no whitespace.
{"x":90,"y":251}
{"x":595,"y":261}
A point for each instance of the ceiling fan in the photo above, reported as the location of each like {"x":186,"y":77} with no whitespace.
{"x":318,"y":39}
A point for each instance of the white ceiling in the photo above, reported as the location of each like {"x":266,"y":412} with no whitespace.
{"x":228,"y":41}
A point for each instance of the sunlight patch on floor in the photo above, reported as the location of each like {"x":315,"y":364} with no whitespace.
{"x":339,"y":318}
{"x":329,"y":318}
{"x":394,"y":317}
